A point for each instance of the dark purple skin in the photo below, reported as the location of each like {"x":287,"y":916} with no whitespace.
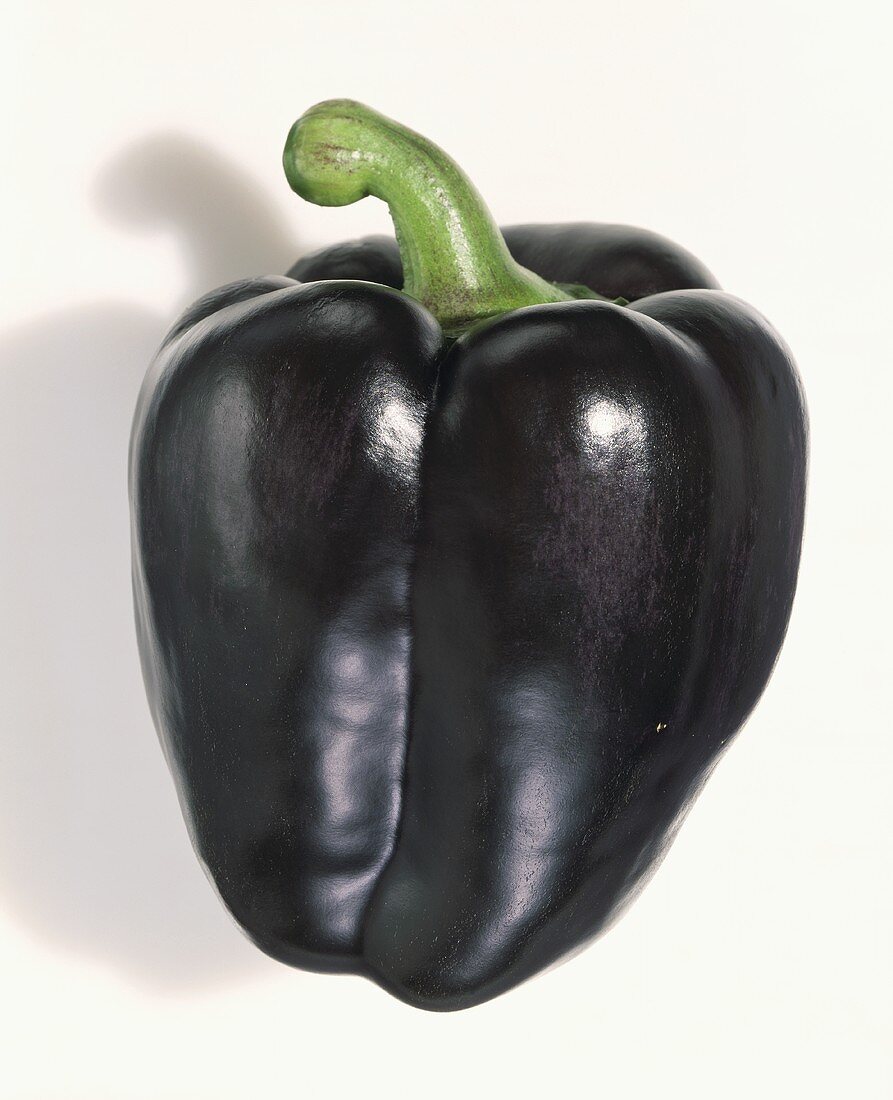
{"x":273,"y":528}
{"x":616,"y":261}
{"x":566,"y":615}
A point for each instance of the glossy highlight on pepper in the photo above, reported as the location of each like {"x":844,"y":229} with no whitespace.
{"x":459,"y":560}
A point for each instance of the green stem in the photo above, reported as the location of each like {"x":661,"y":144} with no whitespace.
{"x":455,"y":261}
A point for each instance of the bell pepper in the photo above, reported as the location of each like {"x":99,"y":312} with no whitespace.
{"x":458,"y":563}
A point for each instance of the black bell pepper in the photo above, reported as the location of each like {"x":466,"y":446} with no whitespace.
{"x":457,"y":566}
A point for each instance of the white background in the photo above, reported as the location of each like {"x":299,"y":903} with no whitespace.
{"x":144,"y":143}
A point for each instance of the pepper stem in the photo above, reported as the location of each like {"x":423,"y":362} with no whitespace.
{"x":455,"y":261}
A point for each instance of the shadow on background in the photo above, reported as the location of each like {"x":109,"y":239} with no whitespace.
{"x":227,"y":229}
{"x":93,"y":851}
